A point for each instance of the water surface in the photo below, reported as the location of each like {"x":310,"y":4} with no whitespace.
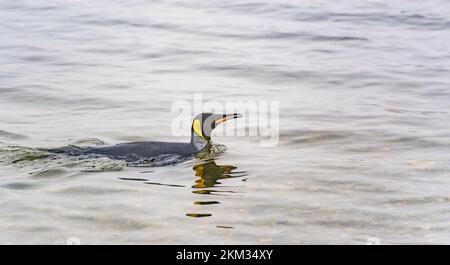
{"x":364,"y":147}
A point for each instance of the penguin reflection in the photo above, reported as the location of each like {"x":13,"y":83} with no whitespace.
{"x":210,"y":174}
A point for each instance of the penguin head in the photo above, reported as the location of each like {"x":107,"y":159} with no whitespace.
{"x":204,"y":123}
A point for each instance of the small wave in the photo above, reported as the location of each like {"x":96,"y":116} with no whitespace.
{"x":418,"y":200}
{"x":134,"y":179}
{"x":88,"y":142}
{"x":19,"y":186}
{"x":49,"y":173}
{"x":19,"y":155}
{"x":361,"y":140}
{"x":261,"y":73}
{"x":401,"y":19}
{"x":164,"y":184}
{"x":13,"y":136}
{"x":132,"y":24}
{"x":41,"y":163}
{"x":343,"y":186}
{"x":337,"y":38}
{"x":315,"y":136}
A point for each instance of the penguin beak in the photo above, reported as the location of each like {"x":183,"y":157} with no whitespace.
{"x":227,"y":117}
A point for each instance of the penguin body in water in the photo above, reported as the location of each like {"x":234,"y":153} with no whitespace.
{"x":201,"y":129}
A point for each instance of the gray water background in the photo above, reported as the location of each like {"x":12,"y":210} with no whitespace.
{"x":364,"y":140}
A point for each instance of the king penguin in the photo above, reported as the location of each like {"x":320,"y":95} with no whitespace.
{"x":201,"y":129}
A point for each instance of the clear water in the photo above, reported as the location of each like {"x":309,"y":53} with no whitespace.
{"x":364,"y":146}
